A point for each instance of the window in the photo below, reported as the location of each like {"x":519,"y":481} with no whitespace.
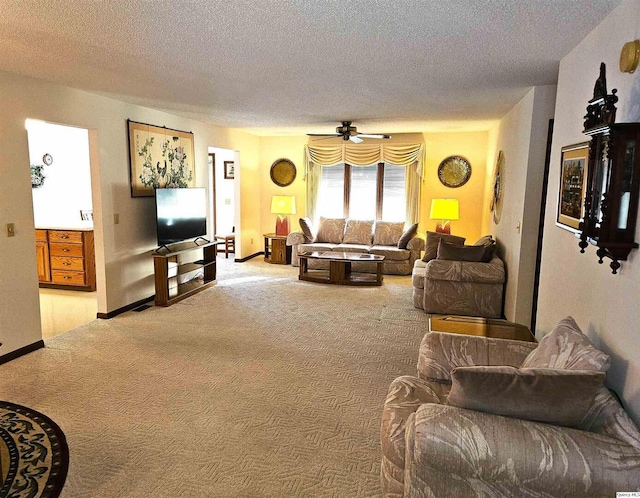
{"x":331,"y":193}
{"x":363,"y":195}
{"x":363,"y":192}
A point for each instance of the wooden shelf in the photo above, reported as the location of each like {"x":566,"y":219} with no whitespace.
{"x":168,"y":269}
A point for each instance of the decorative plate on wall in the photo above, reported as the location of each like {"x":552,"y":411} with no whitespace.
{"x":454,"y":171}
{"x":283,"y":172}
{"x":495,"y":205}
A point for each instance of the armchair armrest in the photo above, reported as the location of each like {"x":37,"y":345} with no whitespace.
{"x":464,"y":271}
{"x":440,"y":353}
{"x":295,"y":238}
{"x":451,"y":451}
{"x":416,"y":244}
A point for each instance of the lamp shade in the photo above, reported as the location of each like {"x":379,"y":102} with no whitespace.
{"x":283,"y":204}
{"x":445,"y":209}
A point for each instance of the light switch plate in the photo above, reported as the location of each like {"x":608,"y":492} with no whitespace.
{"x":11,"y":230}
{"x":116,"y":218}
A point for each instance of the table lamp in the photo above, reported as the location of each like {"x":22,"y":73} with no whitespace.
{"x":283,"y":206}
{"x":444,"y":210}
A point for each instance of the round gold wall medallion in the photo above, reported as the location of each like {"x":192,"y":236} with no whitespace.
{"x":629,"y":56}
{"x":454,"y":171}
{"x":283,"y":172}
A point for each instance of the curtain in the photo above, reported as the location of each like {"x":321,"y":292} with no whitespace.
{"x":410,"y":156}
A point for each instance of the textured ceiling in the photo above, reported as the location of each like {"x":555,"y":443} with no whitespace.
{"x":282,"y":67}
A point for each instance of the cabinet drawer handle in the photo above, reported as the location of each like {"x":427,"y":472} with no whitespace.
{"x":66,"y":277}
{"x":64,"y":236}
{"x":66,"y":263}
{"x":66,"y":250}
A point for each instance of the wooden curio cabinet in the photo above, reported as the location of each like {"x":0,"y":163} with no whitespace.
{"x":613,"y":182}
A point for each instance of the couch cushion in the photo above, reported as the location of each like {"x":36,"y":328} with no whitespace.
{"x":307,"y":229}
{"x":417,"y":276}
{"x":567,"y":347}
{"x":552,"y":396}
{"x":330,"y":230}
{"x":358,"y":232}
{"x":316,"y":246}
{"x":391,"y":253}
{"x":489,"y":245}
{"x":408,"y":234}
{"x":457,"y":252}
{"x":387,"y":233}
{"x":351,"y":248}
{"x":433,"y":239}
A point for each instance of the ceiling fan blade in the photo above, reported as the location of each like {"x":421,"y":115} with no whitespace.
{"x":367,"y":135}
{"x":324,"y":135}
{"x":355,"y":139}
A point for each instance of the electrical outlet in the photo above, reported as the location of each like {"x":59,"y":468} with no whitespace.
{"x":251,"y":241}
{"x":11,"y":230}
{"x":116,"y":218}
{"x":227,"y":202}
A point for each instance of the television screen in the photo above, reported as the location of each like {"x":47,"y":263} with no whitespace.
{"x":181,"y":214}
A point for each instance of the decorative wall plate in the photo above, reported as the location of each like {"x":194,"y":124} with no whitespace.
{"x":495,"y":205}
{"x":283,"y":172}
{"x":47,"y":159}
{"x":454,"y":171}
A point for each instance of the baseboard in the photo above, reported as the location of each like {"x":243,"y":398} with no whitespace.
{"x":248,"y":257}
{"x":124,"y":309}
{"x":21,"y":351}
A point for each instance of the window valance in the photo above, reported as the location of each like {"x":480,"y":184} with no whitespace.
{"x":365,"y":155}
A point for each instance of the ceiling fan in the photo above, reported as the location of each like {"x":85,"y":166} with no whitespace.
{"x":348,"y":132}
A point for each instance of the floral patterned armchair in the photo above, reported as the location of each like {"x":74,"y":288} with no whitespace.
{"x":433,"y":449}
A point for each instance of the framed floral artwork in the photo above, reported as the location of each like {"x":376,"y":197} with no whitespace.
{"x":573,"y":180}
{"x":159,"y":157}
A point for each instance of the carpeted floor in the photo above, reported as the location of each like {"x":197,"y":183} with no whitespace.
{"x":259,"y":386}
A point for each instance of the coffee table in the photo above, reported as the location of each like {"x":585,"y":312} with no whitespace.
{"x":486,"y":327}
{"x":340,"y":268}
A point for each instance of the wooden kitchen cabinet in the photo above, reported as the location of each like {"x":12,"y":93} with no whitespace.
{"x":66,"y":258}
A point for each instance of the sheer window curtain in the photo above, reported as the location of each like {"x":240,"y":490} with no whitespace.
{"x":412,"y":157}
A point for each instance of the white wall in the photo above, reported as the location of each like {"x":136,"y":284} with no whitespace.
{"x":123,"y":251}
{"x":605,"y":306}
{"x":67,"y":186}
{"x":225,"y":194}
{"x":522,"y":137}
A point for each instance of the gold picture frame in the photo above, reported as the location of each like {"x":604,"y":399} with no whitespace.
{"x":574,"y":168}
{"x":159,"y":157}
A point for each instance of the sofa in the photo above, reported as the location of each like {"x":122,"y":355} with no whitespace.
{"x":400,"y":247}
{"x":449,"y":286}
{"x":586,"y":445}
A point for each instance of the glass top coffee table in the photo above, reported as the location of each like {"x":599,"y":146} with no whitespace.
{"x":486,"y":327}
{"x":340,"y":268}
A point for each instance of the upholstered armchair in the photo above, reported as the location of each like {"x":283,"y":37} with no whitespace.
{"x":432,"y":448}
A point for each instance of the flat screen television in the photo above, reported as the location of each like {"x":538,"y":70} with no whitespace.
{"x":181,"y":214}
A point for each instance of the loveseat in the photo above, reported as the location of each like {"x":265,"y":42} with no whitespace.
{"x":448,"y":286}
{"x":400,"y":247}
{"x":551,"y":442}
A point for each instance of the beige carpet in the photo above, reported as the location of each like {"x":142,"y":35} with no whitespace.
{"x":260,"y":386}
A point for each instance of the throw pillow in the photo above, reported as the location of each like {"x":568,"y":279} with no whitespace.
{"x":331,"y":230}
{"x":433,"y":239}
{"x":559,"y":397}
{"x":489,"y":247}
{"x":567,"y":347}
{"x":408,"y":234}
{"x":387,"y":233}
{"x":307,"y":230}
{"x":457,"y":252}
{"x":358,"y":232}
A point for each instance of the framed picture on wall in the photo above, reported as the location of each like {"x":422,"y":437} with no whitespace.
{"x":574,"y":166}
{"x":159,"y":157}
{"x":229,"y":170}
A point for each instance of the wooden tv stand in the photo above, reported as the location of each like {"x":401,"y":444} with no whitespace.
{"x":168,"y":269}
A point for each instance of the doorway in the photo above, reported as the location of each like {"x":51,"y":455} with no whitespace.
{"x":222,"y":187}
{"x":63,"y":216}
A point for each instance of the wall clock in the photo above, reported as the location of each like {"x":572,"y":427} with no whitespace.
{"x":47,"y":159}
{"x":283,"y":172}
{"x":454,"y":171}
{"x":495,"y":205}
